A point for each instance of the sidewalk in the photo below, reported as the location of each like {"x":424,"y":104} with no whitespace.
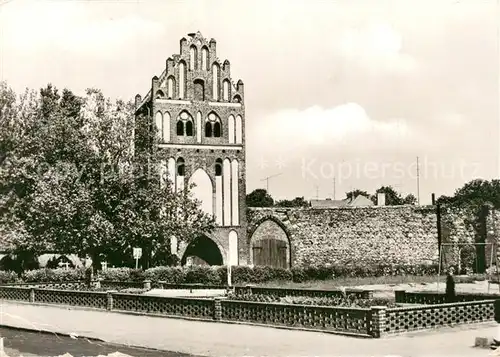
{"x":219,"y":339}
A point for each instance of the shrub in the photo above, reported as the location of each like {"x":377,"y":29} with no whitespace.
{"x":170,"y":275}
{"x":116,"y":274}
{"x":7,"y":277}
{"x":349,"y":301}
{"x":203,"y":274}
{"x":242,"y":274}
{"x":53,"y":275}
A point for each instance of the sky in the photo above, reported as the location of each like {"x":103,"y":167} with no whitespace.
{"x":339,"y":95}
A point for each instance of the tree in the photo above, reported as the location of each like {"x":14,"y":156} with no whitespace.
{"x":74,"y":183}
{"x":410,"y":199}
{"x":296,"y":202}
{"x":259,"y":198}
{"x":475,"y":193}
{"x":355,"y":193}
{"x":392,"y":198}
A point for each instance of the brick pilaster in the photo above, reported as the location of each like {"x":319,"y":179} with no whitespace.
{"x":378,"y":321}
{"x":109,"y":305}
{"x":217,"y":310}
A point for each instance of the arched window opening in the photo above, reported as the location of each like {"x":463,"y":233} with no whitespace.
{"x":160,"y":94}
{"x":199,"y":90}
{"x":180,"y":167}
{"x":189,"y":128}
{"x":226,"y":90}
{"x":170,"y":87}
{"x":217,"y":130}
{"x":215,"y":81}
{"x":208,"y":129}
{"x":180,"y":128}
{"x":193,"y":58}
{"x":204,"y":59}
{"x":237,"y":99}
{"x":182,"y":79}
{"x":218,"y":167}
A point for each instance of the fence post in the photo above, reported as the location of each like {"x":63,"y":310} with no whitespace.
{"x":217,"y":309}
{"x":378,"y":321}
{"x":400,"y":296}
{"x":32,"y":295}
{"x":109,"y":305}
{"x":147,"y":284}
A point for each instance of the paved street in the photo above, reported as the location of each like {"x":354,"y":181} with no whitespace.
{"x":218,"y":339}
{"x":37,"y":344}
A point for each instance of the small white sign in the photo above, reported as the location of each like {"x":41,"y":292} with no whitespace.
{"x":137,"y":253}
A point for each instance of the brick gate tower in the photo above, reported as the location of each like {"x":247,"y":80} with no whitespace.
{"x":200,"y":114}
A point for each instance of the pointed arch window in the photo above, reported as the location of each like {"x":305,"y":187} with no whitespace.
{"x":208,"y":129}
{"x":193,"y":58}
{"x":213,"y":126}
{"x":180,"y":128}
{"x":180,"y":167}
{"x":218,"y":167}
{"x":217,"y":130}
{"x":189,"y":128}
{"x":185,"y":124}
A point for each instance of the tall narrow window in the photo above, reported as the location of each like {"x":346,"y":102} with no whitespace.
{"x":226,"y":90}
{"x":180,"y":167}
{"x":189,"y":128}
{"x":204,"y":59}
{"x":239,"y":129}
{"x":208,"y":129}
{"x":159,"y":120}
{"x":180,"y":128}
{"x":230,"y":129}
{"x":199,"y":90}
{"x":198,"y":127}
{"x":171,"y":86}
{"x":166,"y":127}
{"x":218,"y":167}
{"x":193,"y":58}
{"x":217,"y":130}
{"x":182,"y":79}
{"x":215,"y":81}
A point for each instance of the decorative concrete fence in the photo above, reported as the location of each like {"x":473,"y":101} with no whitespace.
{"x":282,"y":292}
{"x":406,"y":319}
{"x":364,"y":322}
{"x":432,"y":298}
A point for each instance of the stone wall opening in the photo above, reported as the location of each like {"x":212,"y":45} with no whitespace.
{"x":270,"y":245}
{"x":202,"y":251}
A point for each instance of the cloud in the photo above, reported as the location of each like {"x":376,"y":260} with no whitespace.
{"x":31,"y":27}
{"x":328,"y":126}
{"x":376,"y":47}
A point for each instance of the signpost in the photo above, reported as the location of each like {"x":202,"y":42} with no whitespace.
{"x":137,"y":252}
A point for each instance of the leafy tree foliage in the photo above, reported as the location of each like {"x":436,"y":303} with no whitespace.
{"x":72,"y":180}
{"x":259,"y":198}
{"x":296,"y":202}
{"x":475,"y":194}
{"x":355,"y":193}
{"x":394,"y":198}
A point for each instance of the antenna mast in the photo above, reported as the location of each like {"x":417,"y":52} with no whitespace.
{"x":418,"y":183}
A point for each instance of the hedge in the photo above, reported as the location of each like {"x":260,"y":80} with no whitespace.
{"x":217,"y":275}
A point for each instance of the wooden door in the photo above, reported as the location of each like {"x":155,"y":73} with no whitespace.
{"x":270,"y":252}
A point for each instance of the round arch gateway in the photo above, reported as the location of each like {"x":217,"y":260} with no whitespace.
{"x":270,"y":245}
{"x":202,"y":251}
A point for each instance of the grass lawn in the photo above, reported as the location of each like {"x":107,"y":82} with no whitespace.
{"x":382,"y":280}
